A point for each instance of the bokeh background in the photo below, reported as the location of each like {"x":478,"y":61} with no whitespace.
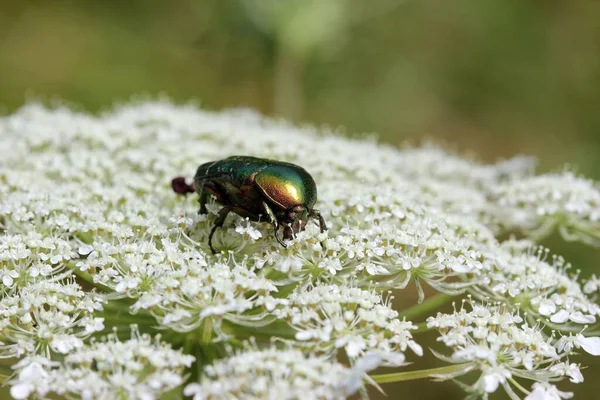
{"x":490,"y":77}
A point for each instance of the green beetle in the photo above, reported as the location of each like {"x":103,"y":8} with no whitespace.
{"x":280,"y":193}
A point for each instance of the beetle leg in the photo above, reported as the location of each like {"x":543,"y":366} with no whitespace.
{"x":276,"y":231}
{"x":273,"y":220}
{"x":218,"y":224}
{"x":202,"y":200}
{"x":205,"y":185}
{"x":322,"y":224}
{"x":288,"y":232}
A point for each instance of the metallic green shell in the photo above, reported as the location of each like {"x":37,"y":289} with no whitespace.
{"x":283,"y":184}
{"x":287,"y":186}
{"x":240,"y":168}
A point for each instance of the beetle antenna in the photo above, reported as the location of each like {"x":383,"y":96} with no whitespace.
{"x":180,"y":187}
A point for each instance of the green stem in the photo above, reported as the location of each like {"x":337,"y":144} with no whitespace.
{"x":121,"y":304}
{"x":199,"y":363}
{"x":518,"y":386}
{"x":119,"y":311}
{"x":127,"y":318}
{"x":275,"y":329}
{"x":591,"y":333}
{"x":207,"y":332}
{"x":419,"y":374}
{"x":427,"y":306}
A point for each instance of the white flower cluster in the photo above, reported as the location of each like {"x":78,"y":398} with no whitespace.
{"x":139,"y":368}
{"x":274,"y":373}
{"x":42,"y":308}
{"x":184,"y":295}
{"x":592,"y":286}
{"x":538,"y":204}
{"x":31,"y":257}
{"x":504,"y":348}
{"x":527,"y":277}
{"x":48,"y":316}
{"x":328,"y":317}
{"x":174,"y":282}
{"x":382,"y":237}
{"x":432,"y":162}
{"x":93,"y":237}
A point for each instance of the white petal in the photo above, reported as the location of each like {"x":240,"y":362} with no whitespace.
{"x":21,"y":390}
{"x":539,"y":393}
{"x":85,"y":249}
{"x":591,"y":345}
{"x":192,"y":389}
{"x":547,"y":307}
{"x":574,"y":374}
{"x":414,"y":346}
{"x":490,"y":383}
{"x":397,"y":359}
{"x":55,"y":259}
{"x":460,"y":268}
{"x":560,"y":317}
{"x":304,"y":335}
{"x":368,"y":362}
{"x":7,"y":280}
{"x":355,"y":346}
{"x":580,"y":318}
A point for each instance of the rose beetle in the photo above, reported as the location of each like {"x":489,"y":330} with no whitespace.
{"x":280,"y":193}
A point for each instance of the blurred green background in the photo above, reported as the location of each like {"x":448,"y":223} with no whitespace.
{"x":495,"y":77}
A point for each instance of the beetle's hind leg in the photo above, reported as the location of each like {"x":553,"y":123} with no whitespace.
{"x":202,"y":200}
{"x":218,"y":224}
{"x":206,"y":188}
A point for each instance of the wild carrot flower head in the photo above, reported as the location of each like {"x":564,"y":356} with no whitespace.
{"x":94,"y":240}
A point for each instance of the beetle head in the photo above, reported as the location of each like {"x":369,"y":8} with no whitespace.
{"x":297,"y":217}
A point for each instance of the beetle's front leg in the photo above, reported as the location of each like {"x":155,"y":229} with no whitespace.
{"x":218,"y":224}
{"x":322,"y":224}
{"x":273,"y":219}
{"x":288,"y":232}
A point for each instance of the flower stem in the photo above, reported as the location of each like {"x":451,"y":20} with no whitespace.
{"x":518,"y":386}
{"x":119,"y":310}
{"x":275,"y":329}
{"x":127,"y":318}
{"x":419,"y":374}
{"x":207,"y":331}
{"x":207,"y":350}
{"x":427,"y":306}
